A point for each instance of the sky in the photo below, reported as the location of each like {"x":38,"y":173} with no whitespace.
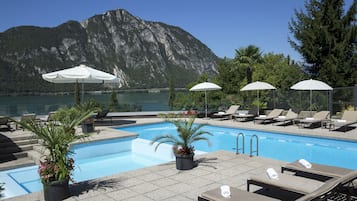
{"x":223,"y":25}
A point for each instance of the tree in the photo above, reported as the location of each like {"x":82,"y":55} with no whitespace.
{"x":326,"y":37}
{"x":248,"y":57}
{"x":113,"y":102}
{"x":277,"y":70}
{"x":172,"y":94}
{"x":230,"y":75}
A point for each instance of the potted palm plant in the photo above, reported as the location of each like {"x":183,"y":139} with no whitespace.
{"x":88,"y":124}
{"x":55,"y":169}
{"x":183,"y":148}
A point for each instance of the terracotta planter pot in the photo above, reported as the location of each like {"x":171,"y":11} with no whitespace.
{"x":185,"y":162}
{"x":56,"y":190}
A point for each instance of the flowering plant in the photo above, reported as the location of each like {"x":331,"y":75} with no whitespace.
{"x":50,"y":171}
{"x":56,"y":139}
{"x":183,"y":150}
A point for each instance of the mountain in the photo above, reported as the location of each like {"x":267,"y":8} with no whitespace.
{"x":143,"y":54}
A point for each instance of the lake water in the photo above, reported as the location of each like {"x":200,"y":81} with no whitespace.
{"x":18,"y":105}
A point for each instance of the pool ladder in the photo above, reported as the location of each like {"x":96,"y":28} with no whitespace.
{"x":237,"y":143}
{"x":256,"y":151}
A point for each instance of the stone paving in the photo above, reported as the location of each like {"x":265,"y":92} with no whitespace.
{"x":164,"y":182}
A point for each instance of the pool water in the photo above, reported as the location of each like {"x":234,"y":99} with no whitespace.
{"x":108,"y":157}
{"x":272,"y":145}
{"x":92,"y":160}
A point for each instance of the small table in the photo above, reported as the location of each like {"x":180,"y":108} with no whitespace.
{"x":236,"y":194}
{"x":327,"y":123}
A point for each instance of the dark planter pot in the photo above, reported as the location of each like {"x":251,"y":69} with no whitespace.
{"x":87,"y":127}
{"x":56,"y":190}
{"x":185,"y":162}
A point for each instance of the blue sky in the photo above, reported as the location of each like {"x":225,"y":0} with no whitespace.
{"x":223,"y":25}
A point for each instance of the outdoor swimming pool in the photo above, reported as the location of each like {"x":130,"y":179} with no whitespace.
{"x":104,"y":158}
{"x":271,"y":145}
{"x":92,"y":160}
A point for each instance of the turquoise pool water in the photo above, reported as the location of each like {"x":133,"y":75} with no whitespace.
{"x":104,"y":158}
{"x":92,"y":160}
{"x":272,"y":145}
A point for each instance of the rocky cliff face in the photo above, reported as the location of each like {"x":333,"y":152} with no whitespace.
{"x":143,"y":54}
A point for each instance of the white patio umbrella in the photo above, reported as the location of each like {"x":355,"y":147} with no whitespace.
{"x":256,"y":86}
{"x":311,"y":85}
{"x":81,"y":74}
{"x":205,"y":86}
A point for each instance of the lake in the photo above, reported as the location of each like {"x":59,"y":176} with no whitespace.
{"x":18,"y":105}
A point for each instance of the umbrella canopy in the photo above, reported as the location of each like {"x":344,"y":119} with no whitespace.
{"x":205,"y":86}
{"x":256,"y":86}
{"x":311,"y":85}
{"x":81,"y":74}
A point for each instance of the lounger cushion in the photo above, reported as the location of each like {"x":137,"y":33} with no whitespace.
{"x":291,"y":183}
{"x":236,"y":194}
{"x":319,"y":169}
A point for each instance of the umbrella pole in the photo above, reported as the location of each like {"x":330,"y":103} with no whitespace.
{"x":311,"y":102}
{"x":258,"y":101}
{"x":206,"y":104}
{"x":82,"y":92}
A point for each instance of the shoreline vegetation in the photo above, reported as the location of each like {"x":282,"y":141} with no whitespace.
{"x":151,"y":90}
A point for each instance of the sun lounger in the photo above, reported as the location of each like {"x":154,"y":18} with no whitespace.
{"x":245,"y":115}
{"x":333,"y":189}
{"x":286,"y":182}
{"x":316,"y":171}
{"x":228,"y":113}
{"x":298,"y":184}
{"x":48,"y":117}
{"x":270,"y":117}
{"x":27,"y":118}
{"x":348,"y":118}
{"x":289,"y":117}
{"x":4,"y":121}
{"x":318,"y":118}
{"x":236,"y":194}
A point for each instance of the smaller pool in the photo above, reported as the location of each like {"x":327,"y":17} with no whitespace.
{"x":92,"y":160}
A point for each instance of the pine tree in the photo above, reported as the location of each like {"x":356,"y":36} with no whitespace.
{"x":326,"y":38}
{"x":113,"y":102}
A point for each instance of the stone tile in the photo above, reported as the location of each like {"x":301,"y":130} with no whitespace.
{"x":199,"y":172}
{"x":167,"y":172}
{"x":144,"y":188}
{"x":151,"y":177}
{"x":122,"y":194}
{"x":215,"y":177}
{"x":131,"y":182}
{"x":138,"y":198}
{"x":164,"y":182}
{"x":179,"y":198}
{"x":99,"y":198}
{"x":198,"y":182}
{"x":159,"y":194}
{"x":179,"y":188}
{"x":139,"y":172}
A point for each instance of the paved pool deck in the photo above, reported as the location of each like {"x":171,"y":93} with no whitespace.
{"x":165,"y":183}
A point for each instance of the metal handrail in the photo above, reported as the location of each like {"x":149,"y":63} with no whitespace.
{"x":237,"y":143}
{"x":256,"y":145}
